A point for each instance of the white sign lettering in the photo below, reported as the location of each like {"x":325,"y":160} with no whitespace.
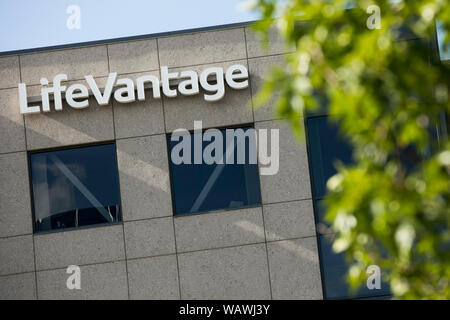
{"x":76,"y":95}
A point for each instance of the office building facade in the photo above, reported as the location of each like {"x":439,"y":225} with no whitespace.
{"x":97,"y":188}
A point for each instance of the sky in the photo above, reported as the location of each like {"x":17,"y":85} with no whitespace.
{"x":27,"y":24}
{"x":30,"y":24}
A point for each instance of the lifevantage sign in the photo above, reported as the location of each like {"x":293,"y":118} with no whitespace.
{"x":77,"y":95}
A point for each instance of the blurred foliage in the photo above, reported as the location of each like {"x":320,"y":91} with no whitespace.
{"x":388,"y":92}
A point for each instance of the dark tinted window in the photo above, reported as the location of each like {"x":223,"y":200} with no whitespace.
{"x":326,"y":146}
{"x":205,"y":187}
{"x":334,"y":270}
{"x":75,"y":187}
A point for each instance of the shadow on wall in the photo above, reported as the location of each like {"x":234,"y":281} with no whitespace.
{"x":144,"y":178}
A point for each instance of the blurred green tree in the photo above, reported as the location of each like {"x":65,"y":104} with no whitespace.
{"x":391,"y":207}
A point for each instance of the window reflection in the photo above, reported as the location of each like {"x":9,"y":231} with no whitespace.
{"x":326,"y":147}
{"x":75,"y":187}
{"x":205,"y":187}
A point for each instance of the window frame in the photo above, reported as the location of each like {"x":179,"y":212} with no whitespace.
{"x":171,"y":177}
{"x":71,"y":147}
